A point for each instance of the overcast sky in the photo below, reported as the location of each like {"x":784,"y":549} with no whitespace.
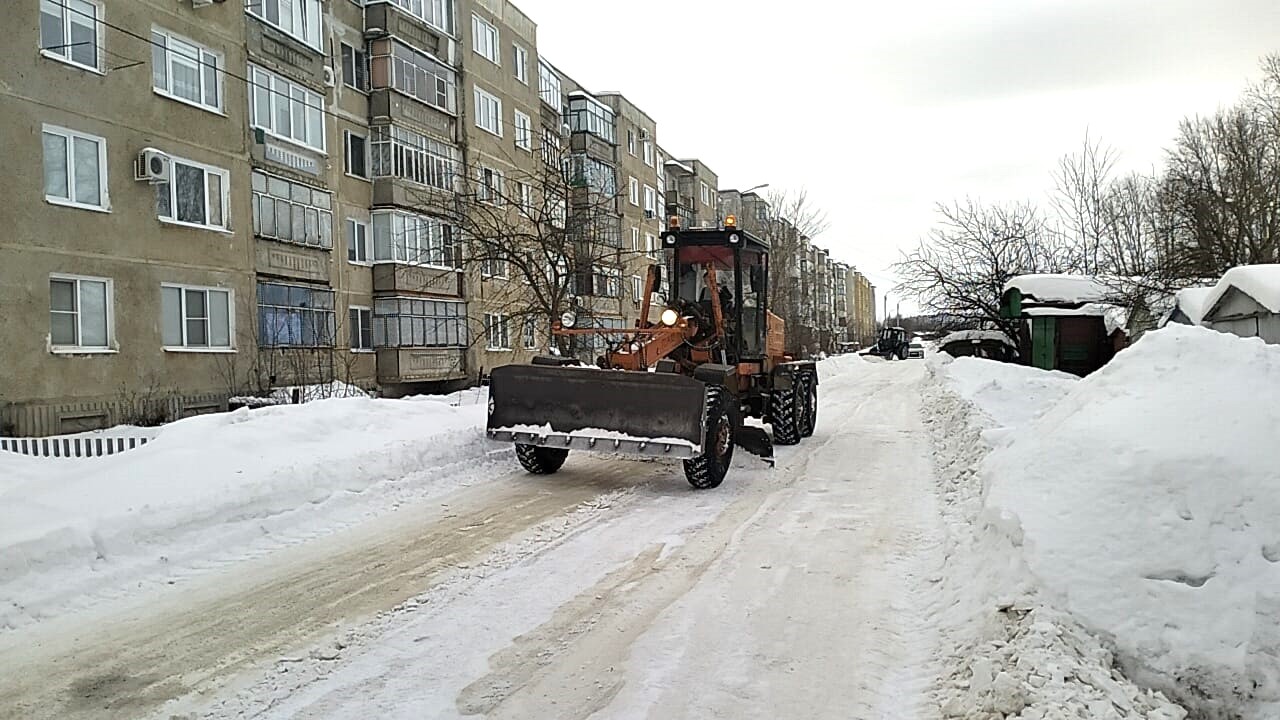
{"x":882,"y":109}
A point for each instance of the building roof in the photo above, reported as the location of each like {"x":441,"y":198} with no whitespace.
{"x":1057,"y":288}
{"x":1260,"y":282}
{"x":1191,"y":302}
{"x":977,"y":336}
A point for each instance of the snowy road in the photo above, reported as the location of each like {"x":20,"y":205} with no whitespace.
{"x":610,"y":590}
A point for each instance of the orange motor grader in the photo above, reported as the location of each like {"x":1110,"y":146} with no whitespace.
{"x":678,"y":387}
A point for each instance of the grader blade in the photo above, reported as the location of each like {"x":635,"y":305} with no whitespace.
{"x":577,"y":408}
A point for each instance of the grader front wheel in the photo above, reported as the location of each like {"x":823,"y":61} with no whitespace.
{"x":708,"y":469}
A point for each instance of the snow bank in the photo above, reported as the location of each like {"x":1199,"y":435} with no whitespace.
{"x":1011,"y":395}
{"x":306,"y":393}
{"x":1060,"y":288}
{"x":1011,"y":654}
{"x":84,"y":515}
{"x":1147,"y":504}
{"x":1260,"y":282}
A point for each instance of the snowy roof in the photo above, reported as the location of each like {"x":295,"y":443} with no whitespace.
{"x":1260,"y":282}
{"x":1191,"y":302}
{"x":977,"y":336}
{"x":1088,"y":309}
{"x":1059,"y":288}
{"x":1116,"y":318}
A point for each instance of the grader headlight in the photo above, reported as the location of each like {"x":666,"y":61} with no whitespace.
{"x":670,"y":317}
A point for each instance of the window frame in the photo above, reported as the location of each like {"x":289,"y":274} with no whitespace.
{"x":329,"y":313}
{"x":98,"y":37}
{"x":367,"y":259}
{"x":324,"y":216}
{"x":499,"y":324}
{"x":633,"y":190}
{"x":172,"y":183}
{"x":69,"y":135}
{"x":492,"y":42}
{"x":109,"y":311}
{"x":359,"y":57}
{"x":358,"y":330}
{"x":219,"y":70}
{"x":496,"y":102}
{"x":520,"y":59}
{"x":366,"y":161}
{"x":316,"y":43}
{"x":275,"y":95}
{"x":182,"y":313}
{"x":441,"y":241}
{"x":549,"y":83}
{"x":529,"y":333}
{"x":651,"y":200}
{"x":523,"y":134}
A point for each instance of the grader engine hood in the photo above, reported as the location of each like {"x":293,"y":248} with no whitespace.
{"x":647,"y":413}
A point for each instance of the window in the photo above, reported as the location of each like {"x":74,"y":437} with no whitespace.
{"x":357,"y":241}
{"x":484,"y":39}
{"x":490,"y":188}
{"x":400,"y":152}
{"x":650,"y":201}
{"x":291,"y":212}
{"x":75,"y":168}
{"x":525,"y":191}
{"x":286,"y":110}
{"x":412,"y":322}
{"x":355,"y":68}
{"x":495,"y":327}
{"x":360,"y":323}
{"x":71,"y":30}
{"x":631,"y":142}
{"x":651,"y":245}
{"x":524,"y":131}
{"x":185,"y":71}
{"x":357,"y":154}
{"x":413,"y":239}
{"x":195,"y":317}
{"x":436,"y":13}
{"x":294,"y":316}
{"x":706,"y":194}
{"x":299,"y":18}
{"x":605,"y":282}
{"x":530,"y":333}
{"x":588,"y":172}
{"x":549,"y":85}
{"x":586,"y":114}
{"x":195,"y":195}
{"x":637,"y":288}
{"x":80,"y":313}
{"x":633,"y":190}
{"x":635,"y":238}
{"x":648,"y":153}
{"x":551,"y":147}
{"x":494,"y":266}
{"x":520,"y":58}
{"x":413,"y":73}
{"x":488,"y":112}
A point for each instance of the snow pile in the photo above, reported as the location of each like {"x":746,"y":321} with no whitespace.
{"x":1147,"y":504}
{"x":1060,"y":288}
{"x":969,"y":336}
{"x":208,"y":474}
{"x":1011,"y":395}
{"x":1260,"y":282}
{"x":1013,"y":656}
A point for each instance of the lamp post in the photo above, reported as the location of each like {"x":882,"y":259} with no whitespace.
{"x":753,"y":189}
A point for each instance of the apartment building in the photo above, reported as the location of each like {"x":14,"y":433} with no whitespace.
{"x":128,"y":250}
{"x":693,"y":193}
{"x":862,"y":306}
{"x":641,"y":187}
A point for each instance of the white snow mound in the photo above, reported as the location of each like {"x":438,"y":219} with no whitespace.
{"x":1011,"y":395}
{"x":1147,"y":501}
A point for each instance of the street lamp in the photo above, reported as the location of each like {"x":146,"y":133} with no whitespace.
{"x":757,"y":187}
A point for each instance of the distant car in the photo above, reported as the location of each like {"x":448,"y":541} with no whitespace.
{"x":915,"y":349}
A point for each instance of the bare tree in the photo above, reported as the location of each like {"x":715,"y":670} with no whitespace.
{"x":794,"y":220}
{"x":1081,"y":199}
{"x":960,"y":268}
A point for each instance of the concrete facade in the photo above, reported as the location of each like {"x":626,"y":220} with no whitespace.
{"x":230,"y":202}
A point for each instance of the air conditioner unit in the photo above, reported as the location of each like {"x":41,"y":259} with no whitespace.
{"x":151,"y":165}
{"x":329,"y":79}
{"x":648,"y":214}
